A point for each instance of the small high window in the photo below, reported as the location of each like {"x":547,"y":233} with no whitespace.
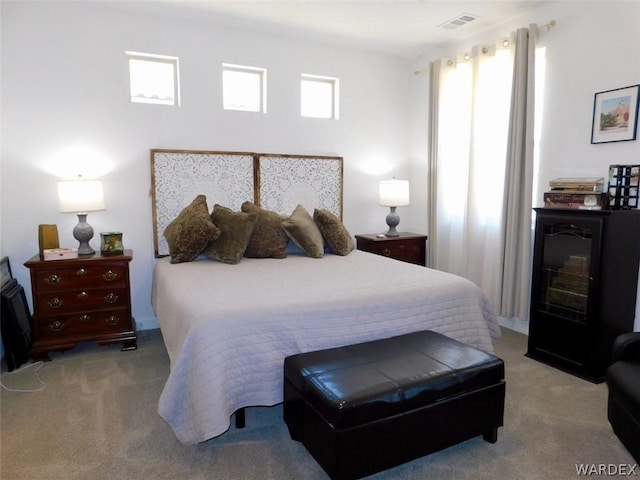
{"x":153,"y":79}
{"x":319,"y":96}
{"x":244,"y":88}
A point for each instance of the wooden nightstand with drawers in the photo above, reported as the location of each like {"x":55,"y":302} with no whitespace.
{"x":408,"y":247}
{"x":81,"y":299}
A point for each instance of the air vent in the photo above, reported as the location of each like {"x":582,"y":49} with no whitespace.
{"x":458,"y":21}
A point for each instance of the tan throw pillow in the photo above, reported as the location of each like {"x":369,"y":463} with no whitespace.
{"x":191,"y":231}
{"x":333,"y":231}
{"x":268,"y":240}
{"x":301,"y":228}
{"x":236,"y":229}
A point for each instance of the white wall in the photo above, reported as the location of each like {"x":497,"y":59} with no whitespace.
{"x":65,"y":84}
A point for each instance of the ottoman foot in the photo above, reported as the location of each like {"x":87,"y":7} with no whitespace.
{"x":491,"y":436}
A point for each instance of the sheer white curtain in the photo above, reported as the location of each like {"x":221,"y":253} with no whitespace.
{"x":470,"y":138}
{"x":516,"y":277}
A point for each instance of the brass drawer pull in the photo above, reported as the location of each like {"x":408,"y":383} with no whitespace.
{"x":52,"y":279}
{"x":81,"y":272}
{"x":112,"y":320}
{"x":110,"y":276}
{"x":55,"y":302}
{"x":83,"y":295}
{"x":111,"y":298}
{"x":56,"y":326}
{"x":386,"y":252}
{"x":85,"y":318}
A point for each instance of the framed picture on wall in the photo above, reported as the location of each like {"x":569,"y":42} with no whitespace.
{"x":615,"y":115}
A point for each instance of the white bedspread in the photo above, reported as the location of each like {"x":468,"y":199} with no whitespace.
{"x":228,"y":328}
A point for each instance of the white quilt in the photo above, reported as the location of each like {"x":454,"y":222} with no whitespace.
{"x":228,"y":328}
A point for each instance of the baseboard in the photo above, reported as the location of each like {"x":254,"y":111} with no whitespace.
{"x":515,"y":324}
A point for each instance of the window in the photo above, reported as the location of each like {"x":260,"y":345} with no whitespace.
{"x":319,"y":97}
{"x":153,"y":79}
{"x":244,"y":88}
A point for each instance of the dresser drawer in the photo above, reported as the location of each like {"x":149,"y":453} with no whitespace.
{"x":406,"y":251}
{"x":63,"y":302}
{"x":90,"y":324}
{"x":56,"y":279}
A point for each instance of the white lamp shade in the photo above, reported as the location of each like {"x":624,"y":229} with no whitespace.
{"x":394,"y":193}
{"x":80,"y":196}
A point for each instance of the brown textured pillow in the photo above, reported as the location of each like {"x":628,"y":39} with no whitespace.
{"x":301,"y":228}
{"x":333,"y":231}
{"x":268,"y":240}
{"x":191,"y":231}
{"x":236,"y":229}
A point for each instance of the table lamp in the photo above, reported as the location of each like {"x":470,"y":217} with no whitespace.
{"x":81,"y":197}
{"x":393,"y":193}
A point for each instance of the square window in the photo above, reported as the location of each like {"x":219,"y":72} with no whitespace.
{"x":244,"y":88}
{"x":319,"y":97}
{"x":153,"y":79}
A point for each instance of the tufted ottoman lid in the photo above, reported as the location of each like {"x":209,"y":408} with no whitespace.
{"x":364,"y":382}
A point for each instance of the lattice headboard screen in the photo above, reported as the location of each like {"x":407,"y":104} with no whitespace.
{"x":274,"y":181}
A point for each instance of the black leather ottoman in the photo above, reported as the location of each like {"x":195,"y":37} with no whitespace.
{"x":367,"y":407}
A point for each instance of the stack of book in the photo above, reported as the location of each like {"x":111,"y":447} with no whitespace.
{"x":584,"y":193}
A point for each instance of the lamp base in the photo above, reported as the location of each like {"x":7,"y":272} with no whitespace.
{"x":83,"y":232}
{"x":393,"y":220}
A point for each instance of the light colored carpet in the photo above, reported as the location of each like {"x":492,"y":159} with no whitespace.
{"x":97,"y":419}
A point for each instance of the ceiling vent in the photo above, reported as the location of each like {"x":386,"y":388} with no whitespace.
{"x":458,"y":21}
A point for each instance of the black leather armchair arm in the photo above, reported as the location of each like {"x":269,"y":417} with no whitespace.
{"x":626,"y":347}
{"x":623,"y":375}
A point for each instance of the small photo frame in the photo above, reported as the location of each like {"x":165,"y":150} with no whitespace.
{"x":615,"y":115}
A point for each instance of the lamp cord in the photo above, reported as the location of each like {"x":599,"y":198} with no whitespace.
{"x":43,"y":385}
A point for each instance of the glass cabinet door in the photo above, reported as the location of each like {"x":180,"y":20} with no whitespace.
{"x":565,"y":286}
{"x":565,"y":272}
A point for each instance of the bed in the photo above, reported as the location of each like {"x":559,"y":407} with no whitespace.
{"x":228,"y":327}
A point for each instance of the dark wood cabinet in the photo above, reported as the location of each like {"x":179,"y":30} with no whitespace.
{"x":81,"y":299}
{"x":584,"y":287}
{"x":407,"y":247}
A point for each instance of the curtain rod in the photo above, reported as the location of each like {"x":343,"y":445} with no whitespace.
{"x":549,"y":25}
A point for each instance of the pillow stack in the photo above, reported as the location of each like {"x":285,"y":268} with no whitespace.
{"x":226,"y":235}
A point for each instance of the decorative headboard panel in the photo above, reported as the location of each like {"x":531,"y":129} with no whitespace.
{"x":273,"y":181}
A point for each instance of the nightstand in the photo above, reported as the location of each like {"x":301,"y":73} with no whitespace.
{"x":81,"y":299}
{"x":408,"y":247}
